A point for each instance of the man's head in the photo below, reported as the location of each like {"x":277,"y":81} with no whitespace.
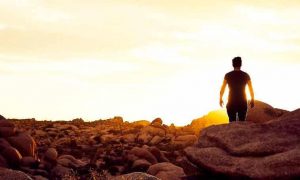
{"x":237,"y":62}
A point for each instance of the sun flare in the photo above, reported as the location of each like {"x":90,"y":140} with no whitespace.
{"x":145,"y":59}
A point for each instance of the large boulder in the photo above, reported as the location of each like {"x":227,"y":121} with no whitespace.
{"x":154,"y":130}
{"x":24,"y":143}
{"x":166,"y":171}
{"x":269,"y":150}
{"x":142,"y":153}
{"x":7,"y":128}
{"x":9,"y":174}
{"x":263,"y":112}
{"x":12,"y":156}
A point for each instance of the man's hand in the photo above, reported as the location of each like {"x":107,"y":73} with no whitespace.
{"x":221,"y":102}
{"x":252,"y":103}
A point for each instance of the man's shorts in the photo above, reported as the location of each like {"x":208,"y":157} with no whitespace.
{"x":234,"y":111}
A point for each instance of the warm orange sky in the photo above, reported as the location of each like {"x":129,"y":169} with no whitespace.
{"x":62,"y":59}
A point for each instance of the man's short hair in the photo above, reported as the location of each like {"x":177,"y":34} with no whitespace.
{"x":237,"y":62}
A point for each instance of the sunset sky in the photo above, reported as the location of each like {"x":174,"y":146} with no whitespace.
{"x":142,"y":59}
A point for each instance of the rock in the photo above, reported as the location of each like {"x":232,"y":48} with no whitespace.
{"x":144,"y":138}
{"x":157,"y":122}
{"x":28,"y":161}
{"x":9,"y":174}
{"x":39,"y":178}
{"x":158,"y":154}
{"x":12,"y":155}
{"x":172,"y":129}
{"x":78,"y":121}
{"x":51,"y":155}
{"x":184,"y":141}
{"x":107,"y":138}
{"x":70,"y":161}
{"x":166,"y":171}
{"x":140,"y":165}
{"x":189,"y":168}
{"x":128,"y":138}
{"x":155,"y":140}
{"x":159,"y":131}
{"x":62,"y":127}
{"x":212,"y":118}
{"x":61,"y":172}
{"x":3,"y":162}
{"x":263,"y":112}
{"x":140,"y":123}
{"x":24,"y":143}
{"x":135,"y":176}
{"x":7,"y":131}
{"x":142,"y":153}
{"x":40,"y":133}
{"x":2,"y":117}
{"x":4,"y":143}
{"x":116,"y":120}
{"x":269,"y":150}
{"x":7,"y":128}
{"x":6,"y":123}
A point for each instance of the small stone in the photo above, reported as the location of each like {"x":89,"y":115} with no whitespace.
{"x":51,"y":154}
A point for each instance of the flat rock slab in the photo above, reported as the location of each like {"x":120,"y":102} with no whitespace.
{"x":257,"y":151}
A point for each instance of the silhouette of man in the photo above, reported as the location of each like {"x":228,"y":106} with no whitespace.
{"x":237,"y":100}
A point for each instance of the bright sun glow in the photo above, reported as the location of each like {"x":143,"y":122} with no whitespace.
{"x":143,"y":59}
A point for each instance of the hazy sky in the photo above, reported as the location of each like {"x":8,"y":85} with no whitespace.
{"x":141,"y":59}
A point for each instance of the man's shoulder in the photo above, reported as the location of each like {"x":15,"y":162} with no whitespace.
{"x":236,"y":74}
{"x":245,"y":73}
{"x":230,"y":72}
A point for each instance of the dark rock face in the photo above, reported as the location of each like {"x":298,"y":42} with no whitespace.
{"x":269,"y":150}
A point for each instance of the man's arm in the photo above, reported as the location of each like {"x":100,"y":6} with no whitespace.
{"x":222,"y":92}
{"x":251,"y":93}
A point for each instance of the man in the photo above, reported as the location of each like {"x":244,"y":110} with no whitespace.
{"x":237,"y":100}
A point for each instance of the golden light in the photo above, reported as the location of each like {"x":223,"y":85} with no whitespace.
{"x":142,"y":60}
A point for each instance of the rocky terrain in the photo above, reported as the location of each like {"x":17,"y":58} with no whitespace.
{"x":94,"y":150}
{"x":116,"y":149}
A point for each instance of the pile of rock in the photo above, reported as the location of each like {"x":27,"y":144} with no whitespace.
{"x":111,"y":147}
{"x":116,"y":149}
{"x":269,"y":150}
{"x":18,"y":150}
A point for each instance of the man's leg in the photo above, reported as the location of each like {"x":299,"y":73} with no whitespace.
{"x":242,"y":113}
{"x":231,"y":114}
